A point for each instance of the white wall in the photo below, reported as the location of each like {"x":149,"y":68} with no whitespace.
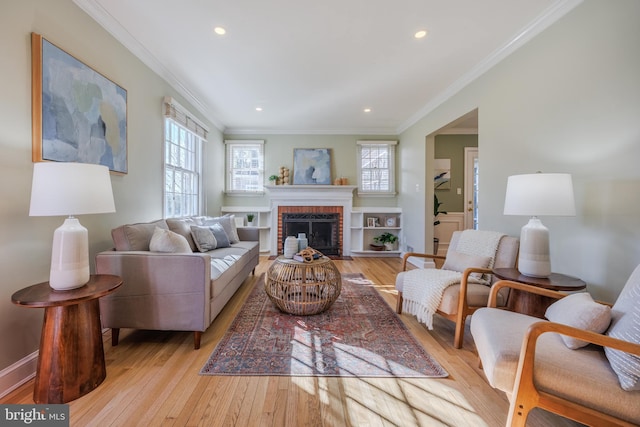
{"x":568,"y":101}
{"x":25,"y":242}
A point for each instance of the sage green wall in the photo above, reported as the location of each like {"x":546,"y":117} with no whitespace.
{"x":452,"y":147}
{"x":25,"y":242}
{"x":278,"y":151}
{"x":567,"y":101}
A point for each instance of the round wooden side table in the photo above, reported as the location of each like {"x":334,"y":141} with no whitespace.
{"x":533,"y":304}
{"x":71,"y":359}
{"x":303,"y":288}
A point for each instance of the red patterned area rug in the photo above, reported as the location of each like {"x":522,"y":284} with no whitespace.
{"x":358,"y":336}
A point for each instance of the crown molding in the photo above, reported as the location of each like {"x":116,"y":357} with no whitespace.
{"x":346,"y":131}
{"x":113,"y":27}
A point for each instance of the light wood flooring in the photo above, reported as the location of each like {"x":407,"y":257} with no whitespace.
{"x":152,"y":380}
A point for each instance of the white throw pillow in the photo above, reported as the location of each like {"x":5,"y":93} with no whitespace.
{"x":203,"y":238}
{"x":582,"y":312}
{"x":459,"y":261}
{"x":168,"y":241}
{"x":626,"y":326}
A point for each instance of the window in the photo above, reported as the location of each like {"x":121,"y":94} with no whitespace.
{"x":376,"y":168}
{"x":245,"y":166}
{"x":183,"y":137}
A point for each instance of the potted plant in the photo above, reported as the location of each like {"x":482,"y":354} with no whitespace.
{"x":436,"y":211}
{"x":250,"y":218}
{"x":274,"y":179}
{"x":387,"y":239}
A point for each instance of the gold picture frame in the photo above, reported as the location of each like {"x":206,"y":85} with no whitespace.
{"x":78,"y":115}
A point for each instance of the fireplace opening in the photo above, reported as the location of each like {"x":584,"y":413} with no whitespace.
{"x":322,"y":230}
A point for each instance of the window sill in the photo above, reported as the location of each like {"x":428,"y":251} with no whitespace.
{"x":244,"y":193}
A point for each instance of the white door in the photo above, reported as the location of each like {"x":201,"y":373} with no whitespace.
{"x":471,"y":188}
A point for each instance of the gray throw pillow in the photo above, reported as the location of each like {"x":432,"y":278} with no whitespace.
{"x":222,"y":240}
{"x":228,"y":223}
{"x":203,"y":238}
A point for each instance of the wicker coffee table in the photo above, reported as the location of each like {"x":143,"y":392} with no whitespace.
{"x":303,"y":288}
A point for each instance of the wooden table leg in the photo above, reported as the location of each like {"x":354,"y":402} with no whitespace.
{"x":71,"y":361}
{"x":528,"y":303}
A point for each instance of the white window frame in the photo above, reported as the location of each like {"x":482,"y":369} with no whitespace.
{"x":391,"y":168}
{"x":258,"y":187}
{"x":184,"y":137}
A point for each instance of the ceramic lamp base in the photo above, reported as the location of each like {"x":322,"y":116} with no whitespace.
{"x":69,"y":256}
{"x":534,"y":260}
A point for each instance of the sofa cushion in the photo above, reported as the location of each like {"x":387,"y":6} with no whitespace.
{"x":135,"y":237}
{"x":164,"y":240}
{"x":182,"y":226}
{"x":582,"y":312}
{"x":203,"y":238}
{"x":583,"y":375}
{"x":625,"y":325}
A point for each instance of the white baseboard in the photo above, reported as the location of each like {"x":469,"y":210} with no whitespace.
{"x":19,"y":373}
{"x":421,"y":262}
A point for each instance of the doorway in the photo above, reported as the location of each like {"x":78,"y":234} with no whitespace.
{"x":463,"y":209}
{"x":471,"y":188}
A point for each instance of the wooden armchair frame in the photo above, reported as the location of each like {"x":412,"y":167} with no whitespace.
{"x":525,"y":395}
{"x":464,"y":310}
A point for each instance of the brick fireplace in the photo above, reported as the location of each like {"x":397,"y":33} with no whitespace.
{"x":311,"y":199}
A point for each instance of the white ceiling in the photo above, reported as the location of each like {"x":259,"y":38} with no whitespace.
{"x":313,"y":66}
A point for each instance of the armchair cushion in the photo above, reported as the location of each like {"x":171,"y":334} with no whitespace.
{"x":459,"y":261}
{"x":582,"y":312}
{"x":164,"y":240}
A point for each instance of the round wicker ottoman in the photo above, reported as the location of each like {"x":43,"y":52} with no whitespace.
{"x":303,"y":288}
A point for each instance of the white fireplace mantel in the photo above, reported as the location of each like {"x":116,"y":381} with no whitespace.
{"x":312,"y":195}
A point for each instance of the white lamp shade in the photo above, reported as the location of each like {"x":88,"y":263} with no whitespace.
{"x":70,"y":189}
{"x":540,"y":194}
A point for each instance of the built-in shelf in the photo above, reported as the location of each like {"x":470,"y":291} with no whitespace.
{"x":369,"y":222}
{"x":262,"y":221}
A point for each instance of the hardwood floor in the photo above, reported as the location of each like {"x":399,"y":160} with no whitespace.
{"x":152,"y":380}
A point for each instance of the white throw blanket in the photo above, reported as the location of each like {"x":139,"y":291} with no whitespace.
{"x":423,"y":288}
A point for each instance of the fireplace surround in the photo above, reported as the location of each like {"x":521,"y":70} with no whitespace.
{"x":312,"y":200}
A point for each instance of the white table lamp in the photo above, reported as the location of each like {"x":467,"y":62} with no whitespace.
{"x":535,"y":195}
{"x":70,"y":189}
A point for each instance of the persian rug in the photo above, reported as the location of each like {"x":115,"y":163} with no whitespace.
{"x":358,"y":336}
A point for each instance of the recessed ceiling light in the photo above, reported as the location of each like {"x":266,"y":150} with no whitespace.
{"x":258,"y":108}
{"x":367,"y":110}
{"x":420,"y":34}
{"x":220,"y":31}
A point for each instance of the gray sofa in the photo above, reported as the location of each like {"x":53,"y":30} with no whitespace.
{"x":172,"y":291}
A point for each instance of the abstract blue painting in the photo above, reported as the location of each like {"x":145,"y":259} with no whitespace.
{"x":83,"y":115}
{"x":311,"y":166}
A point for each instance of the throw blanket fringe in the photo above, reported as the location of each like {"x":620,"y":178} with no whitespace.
{"x":423,"y":288}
